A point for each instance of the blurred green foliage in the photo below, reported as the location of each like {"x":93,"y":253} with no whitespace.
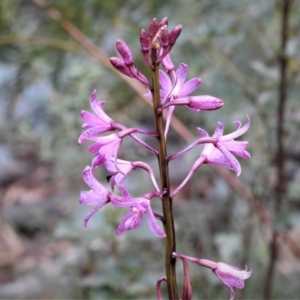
{"x":46,"y":78}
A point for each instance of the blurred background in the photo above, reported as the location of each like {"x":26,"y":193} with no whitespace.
{"x":53,"y":54}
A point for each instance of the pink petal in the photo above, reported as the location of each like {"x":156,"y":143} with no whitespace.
{"x":110,"y":149}
{"x":181,"y":73}
{"x":91,"y":181}
{"x":218,"y":158}
{"x":167,"y":64}
{"x":91,"y":133}
{"x":98,"y":160}
{"x":153,"y":224}
{"x":94,"y":148}
{"x":237,"y":147}
{"x":164,"y":81}
{"x":97,"y":107}
{"x":90,"y":214}
{"x":89,"y":118}
{"x":169,"y":117}
{"x":123,"y":166}
{"x":129,"y":221}
{"x":202,"y":132}
{"x":232,"y":276}
{"x":125,"y":202}
{"x":232,"y":160}
{"x":219,"y":130}
{"x":189,"y":87}
{"x":92,"y":198}
{"x":125,"y":193}
{"x":238,"y":132}
{"x":104,"y":140}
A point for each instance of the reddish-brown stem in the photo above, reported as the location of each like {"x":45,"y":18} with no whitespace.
{"x":280,"y":155}
{"x":170,"y":245}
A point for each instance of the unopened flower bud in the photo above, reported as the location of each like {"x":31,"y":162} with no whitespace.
{"x":153,"y":27}
{"x":164,"y":38}
{"x":125,"y":52}
{"x":164,"y":21}
{"x":156,"y":41}
{"x":197,"y":103}
{"x":205,"y":103}
{"x":174,"y":34}
{"x":119,"y":64}
{"x":145,"y":45}
{"x":145,"y":41}
{"x":158,"y":284}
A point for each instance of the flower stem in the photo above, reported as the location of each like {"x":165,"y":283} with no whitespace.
{"x":165,"y":183}
{"x":286,"y":10}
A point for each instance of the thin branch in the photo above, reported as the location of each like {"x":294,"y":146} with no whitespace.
{"x":49,"y":42}
{"x":280,"y":156}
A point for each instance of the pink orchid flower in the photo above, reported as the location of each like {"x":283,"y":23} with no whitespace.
{"x":96,"y":123}
{"x":133,"y":218}
{"x":222,"y":152}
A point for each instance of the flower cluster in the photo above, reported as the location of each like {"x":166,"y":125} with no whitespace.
{"x":106,"y":137}
{"x":99,"y":195}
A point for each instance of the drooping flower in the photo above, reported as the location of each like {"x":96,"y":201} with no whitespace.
{"x":98,"y":196}
{"x":133,"y":218}
{"x":233,"y":277}
{"x":221,"y":152}
{"x":96,"y":123}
